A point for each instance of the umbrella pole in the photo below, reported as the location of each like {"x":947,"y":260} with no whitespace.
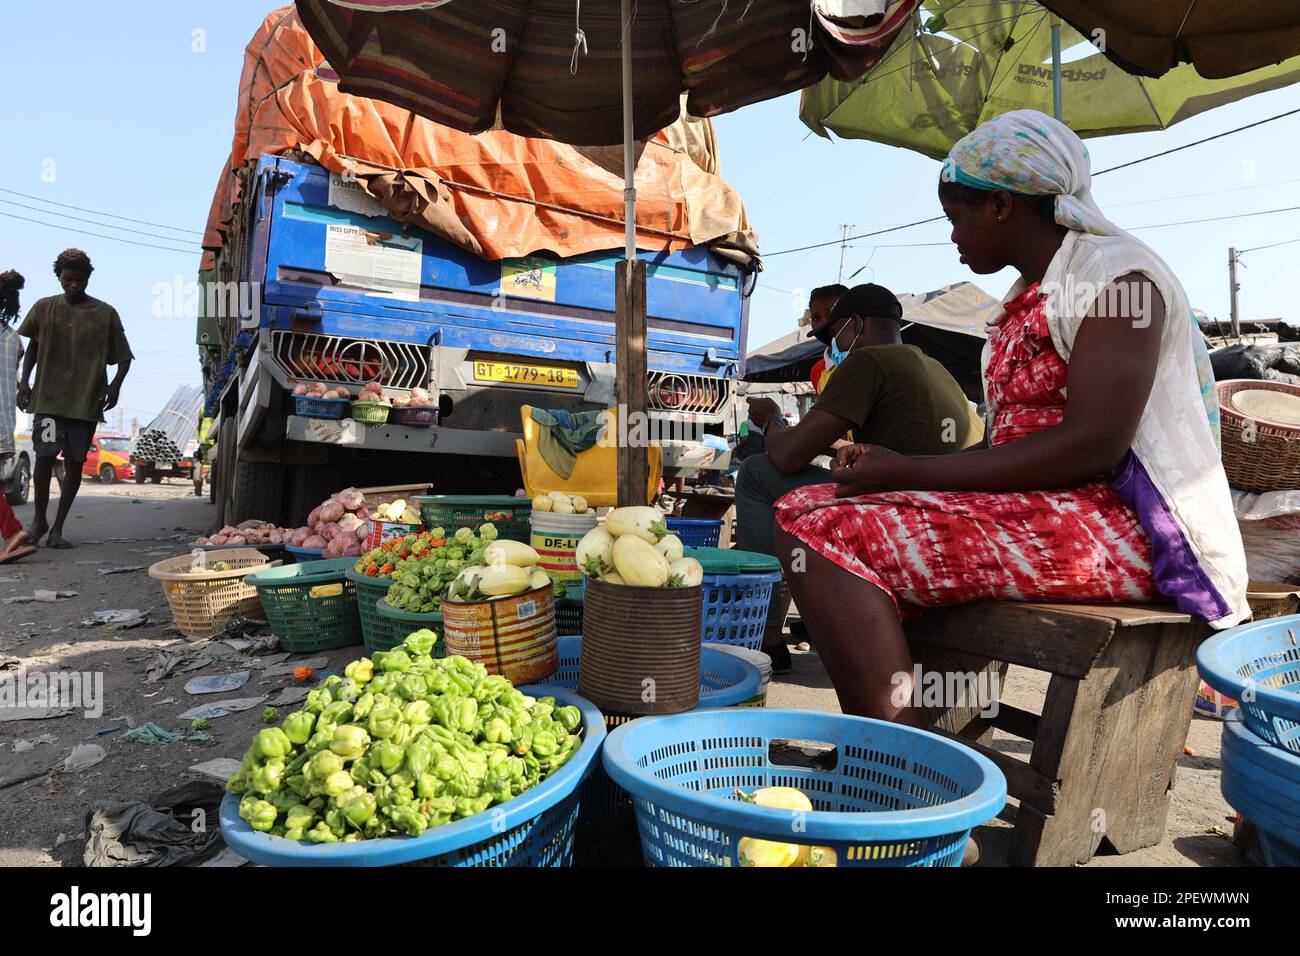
{"x":630,"y":328}
{"x":1058,"y":109}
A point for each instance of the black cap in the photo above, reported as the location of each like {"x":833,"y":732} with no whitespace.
{"x":869,"y":301}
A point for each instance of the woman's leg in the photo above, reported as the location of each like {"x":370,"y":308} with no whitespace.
{"x":857,"y":633}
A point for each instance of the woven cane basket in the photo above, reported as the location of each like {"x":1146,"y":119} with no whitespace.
{"x":1259,"y":455}
{"x":202,"y":600}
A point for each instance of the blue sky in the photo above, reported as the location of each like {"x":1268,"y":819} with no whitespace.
{"x":109,"y":106}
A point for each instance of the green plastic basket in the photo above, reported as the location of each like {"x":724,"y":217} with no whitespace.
{"x":370,"y":413}
{"x":369,"y":592}
{"x":306,"y":623}
{"x":568,"y":615}
{"x":394,"y":625}
{"x":512,"y":516}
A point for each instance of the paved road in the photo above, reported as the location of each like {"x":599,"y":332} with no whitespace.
{"x":42,"y":820}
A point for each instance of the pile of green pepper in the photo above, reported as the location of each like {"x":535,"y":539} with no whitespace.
{"x":418,"y":581}
{"x":401,"y":743}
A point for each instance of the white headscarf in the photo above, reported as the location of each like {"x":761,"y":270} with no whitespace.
{"x":1031,"y":153}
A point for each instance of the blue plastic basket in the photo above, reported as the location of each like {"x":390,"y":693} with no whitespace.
{"x":1258,"y":665}
{"x":722,"y":684}
{"x":303,"y":555}
{"x":1263,"y":783}
{"x":896,"y":796}
{"x":735,"y":608}
{"x":533,"y":829}
{"x":696,"y":532}
{"x":335,"y":408}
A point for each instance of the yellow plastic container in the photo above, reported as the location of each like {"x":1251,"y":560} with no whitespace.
{"x":595,"y":474}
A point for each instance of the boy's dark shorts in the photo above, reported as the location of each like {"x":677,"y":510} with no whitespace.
{"x":52,"y":434}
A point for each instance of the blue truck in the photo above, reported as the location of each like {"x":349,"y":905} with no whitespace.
{"x":316,"y":283}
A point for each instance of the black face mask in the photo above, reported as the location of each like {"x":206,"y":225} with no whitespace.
{"x":824,"y":334}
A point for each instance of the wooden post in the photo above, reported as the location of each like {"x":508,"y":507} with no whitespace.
{"x":630,"y":384}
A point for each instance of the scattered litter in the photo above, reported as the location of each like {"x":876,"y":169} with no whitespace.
{"x":238,"y":643}
{"x":106,"y":730}
{"x":174,"y":660}
{"x":270,"y":660}
{"x":123,"y":569}
{"x":804,"y":646}
{"x":302,"y":674}
{"x":287,"y":696}
{"x":154,"y":694}
{"x":221,"y":769}
{"x":291,"y":667}
{"x":9,"y":578}
{"x":151,"y":733}
{"x":61,"y":839}
{"x":161,"y":834}
{"x":117,"y":620}
{"x":238,"y":626}
{"x":22,"y":745}
{"x":221,"y":708}
{"x":217,"y":683}
{"x":1219,"y":830}
{"x":44,"y":597}
{"x":40,"y":702}
{"x":83,"y":757}
{"x":1188,"y":751}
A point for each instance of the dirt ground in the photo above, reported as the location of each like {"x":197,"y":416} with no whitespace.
{"x":42,"y":820}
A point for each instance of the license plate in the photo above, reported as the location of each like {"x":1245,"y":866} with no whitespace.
{"x":522,"y":374}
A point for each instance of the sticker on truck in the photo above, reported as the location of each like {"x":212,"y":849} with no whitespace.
{"x":532,"y":277}
{"x":381,"y":263}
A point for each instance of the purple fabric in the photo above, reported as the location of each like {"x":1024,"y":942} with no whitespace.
{"x":1178,"y":573}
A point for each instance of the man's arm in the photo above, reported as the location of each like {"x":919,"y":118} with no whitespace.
{"x":120,"y":355}
{"x":25,"y":380}
{"x":115,"y":388}
{"x":793,"y":449}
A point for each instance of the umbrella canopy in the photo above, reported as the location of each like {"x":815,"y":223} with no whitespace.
{"x":965,"y":61}
{"x":552,"y":68}
{"x":1220,"y":38}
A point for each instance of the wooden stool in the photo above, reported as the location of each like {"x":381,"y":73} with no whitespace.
{"x":1113,"y":725}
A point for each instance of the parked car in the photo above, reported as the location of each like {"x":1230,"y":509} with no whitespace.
{"x":16,"y":471}
{"x":109,"y":459}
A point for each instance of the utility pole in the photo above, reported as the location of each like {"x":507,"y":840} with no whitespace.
{"x":1232,"y":293}
{"x":844,"y":244}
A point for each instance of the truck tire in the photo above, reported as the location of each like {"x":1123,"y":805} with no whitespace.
{"x":20,"y":485}
{"x":141,"y":473}
{"x":156,"y":479}
{"x":307,"y":486}
{"x":258,"y":491}
{"x":223,"y":473}
{"x":108,"y":474}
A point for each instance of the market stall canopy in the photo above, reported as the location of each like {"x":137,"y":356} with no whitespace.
{"x":498,"y":195}
{"x":947,"y":324}
{"x":961,"y":62}
{"x":552,"y":68}
{"x":1220,"y":38}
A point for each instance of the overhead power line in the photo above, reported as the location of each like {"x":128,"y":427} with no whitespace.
{"x":99,"y":235}
{"x":110,"y":215}
{"x":106,"y":225}
{"x":1271,"y":245}
{"x":1110,"y":169}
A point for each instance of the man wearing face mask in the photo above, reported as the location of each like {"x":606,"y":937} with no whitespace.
{"x":875,"y":389}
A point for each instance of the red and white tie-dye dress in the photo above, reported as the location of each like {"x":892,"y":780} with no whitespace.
{"x":936,"y":548}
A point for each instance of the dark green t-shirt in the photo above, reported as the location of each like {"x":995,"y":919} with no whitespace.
{"x":74,"y":345}
{"x":898,"y":397}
